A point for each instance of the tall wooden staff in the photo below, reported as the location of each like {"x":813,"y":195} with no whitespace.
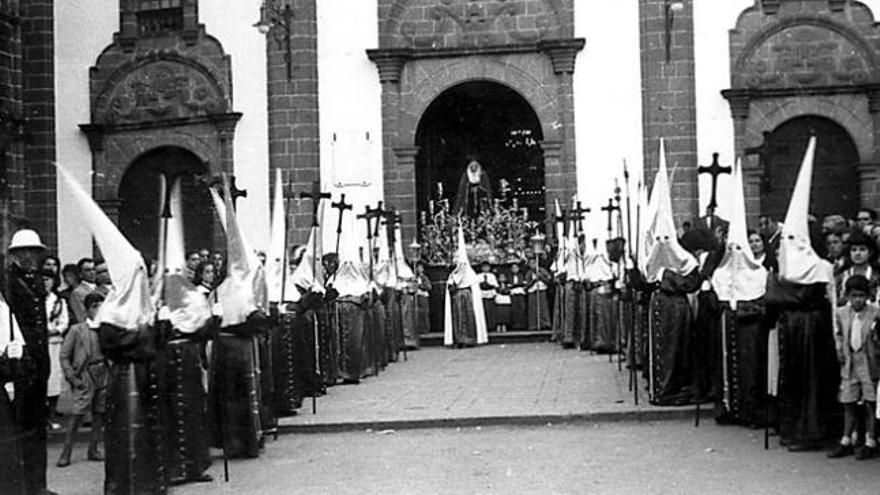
{"x":610,"y":209}
{"x":393,"y":219}
{"x":368,"y":216}
{"x":316,"y":195}
{"x":621,"y":274}
{"x":631,"y":357}
{"x":714,"y":170}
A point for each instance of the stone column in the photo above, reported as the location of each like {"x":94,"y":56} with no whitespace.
{"x":563,"y":54}
{"x":556,"y":183}
{"x":752,"y":173}
{"x":400,"y":189}
{"x":398,"y":159}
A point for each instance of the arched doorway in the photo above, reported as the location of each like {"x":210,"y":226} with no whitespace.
{"x":487,"y":121}
{"x":140,"y":202}
{"x":835,"y":186}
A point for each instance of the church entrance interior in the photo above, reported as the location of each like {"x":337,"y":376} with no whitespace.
{"x":488,"y":122}
{"x":140,"y":206}
{"x":835,"y":177}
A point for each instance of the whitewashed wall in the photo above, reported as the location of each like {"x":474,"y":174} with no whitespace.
{"x":350,"y":106}
{"x":608,"y":102}
{"x":712,"y":23}
{"x":82,"y":29}
{"x":232,"y":24}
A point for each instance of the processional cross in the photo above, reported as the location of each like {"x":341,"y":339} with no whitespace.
{"x":234,"y":191}
{"x":577,"y":217}
{"x":610,"y":209}
{"x":341,"y":205}
{"x":714,"y":170}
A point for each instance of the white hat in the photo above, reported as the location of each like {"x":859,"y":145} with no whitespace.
{"x":26,"y":238}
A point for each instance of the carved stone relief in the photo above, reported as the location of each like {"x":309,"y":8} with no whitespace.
{"x":464,"y":23}
{"x":804,"y":56}
{"x":158,"y":91}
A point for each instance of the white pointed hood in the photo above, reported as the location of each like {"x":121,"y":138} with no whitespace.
{"x":559,"y":263}
{"x":597,"y":266}
{"x":798,"y":262}
{"x":665,"y":251}
{"x":383,"y":269}
{"x":739,"y":277}
{"x":573,"y":265}
{"x":404,"y":271}
{"x":349,"y":279}
{"x":189,"y":309}
{"x":309,"y":274}
{"x":463,"y":275}
{"x":128,"y":305}
{"x":275,"y":259}
{"x":243,"y":291}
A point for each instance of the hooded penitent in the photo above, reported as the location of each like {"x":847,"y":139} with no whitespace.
{"x":349,"y":279}
{"x":275,"y":254}
{"x":383,"y":269}
{"x":404,"y":271}
{"x":243,"y":291}
{"x":739,"y":277}
{"x":128,"y":306}
{"x":597,"y":265}
{"x":189,"y":310}
{"x":798,"y":262}
{"x":309,"y":274}
{"x":559,"y":263}
{"x":463,"y":276}
{"x":665,"y":253}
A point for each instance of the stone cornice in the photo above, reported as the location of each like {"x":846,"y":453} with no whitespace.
{"x":95,"y":133}
{"x":390,"y":61}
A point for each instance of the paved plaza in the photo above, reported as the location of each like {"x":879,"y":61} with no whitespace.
{"x":529,"y":383}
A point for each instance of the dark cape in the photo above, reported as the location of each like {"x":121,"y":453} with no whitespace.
{"x":423,"y":306}
{"x":464,"y":323}
{"x":305,"y":328}
{"x":706,"y":348}
{"x":133,"y":436}
{"x":285,"y":400}
{"x":603,"y":318}
{"x":234,"y":389}
{"x":350,"y":314}
{"x":669,"y":332}
{"x":11,"y":460}
{"x":574,"y":313}
{"x":393,"y":323}
{"x":743,"y":395}
{"x":409,"y":316}
{"x":808,"y":369}
{"x":559,"y":309}
{"x":328,"y":330}
{"x":183,"y":404}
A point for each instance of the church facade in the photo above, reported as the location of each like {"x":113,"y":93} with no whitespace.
{"x":390,"y":99}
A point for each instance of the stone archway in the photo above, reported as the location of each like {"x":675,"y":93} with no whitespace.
{"x":140,"y":201}
{"x":835,"y":174}
{"x":487,"y":121}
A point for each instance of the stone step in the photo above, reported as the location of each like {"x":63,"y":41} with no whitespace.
{"x":435,"y":339}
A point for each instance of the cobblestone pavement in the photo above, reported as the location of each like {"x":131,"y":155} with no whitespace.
{"x":627,"y":458}
{"x":482,"y":385}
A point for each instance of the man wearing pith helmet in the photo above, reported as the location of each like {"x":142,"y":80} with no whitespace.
{"x":27,"y":299}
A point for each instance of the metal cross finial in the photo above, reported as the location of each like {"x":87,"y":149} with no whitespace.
{"x":610,"y":209}
{"x":316,"y":195}
{"x":714,"y":170}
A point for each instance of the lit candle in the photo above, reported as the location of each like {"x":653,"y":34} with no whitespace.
{"x":430,"y":207}
{"x":440,"y":189}
{"x":525,"y":212}
{"x":515,"y":203}
{"x":423,"y":215}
